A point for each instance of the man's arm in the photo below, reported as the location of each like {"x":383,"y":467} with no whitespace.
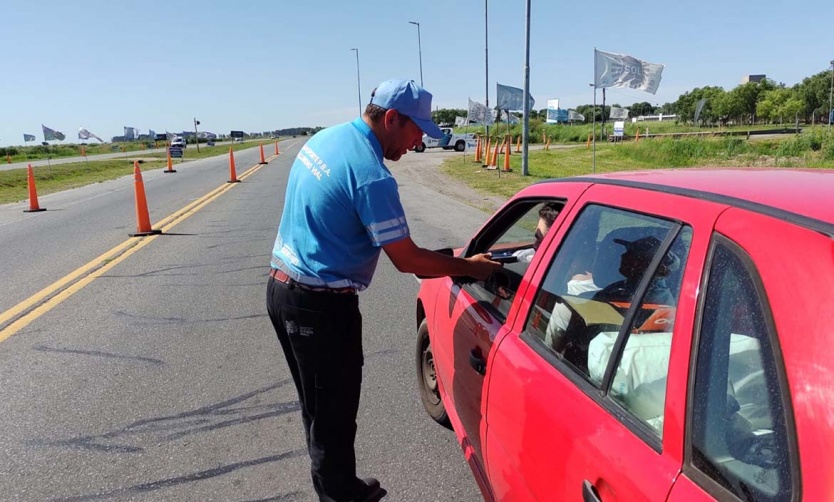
{"x":411,"y":259}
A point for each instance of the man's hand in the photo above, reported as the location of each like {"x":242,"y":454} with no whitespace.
{"x":482,"y":266}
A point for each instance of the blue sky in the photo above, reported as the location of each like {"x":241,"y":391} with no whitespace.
{"x":267,"y":64}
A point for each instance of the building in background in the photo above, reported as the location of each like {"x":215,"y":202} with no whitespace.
{"x":753,"y":78}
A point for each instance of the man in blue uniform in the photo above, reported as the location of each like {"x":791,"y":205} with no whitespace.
{"x":341,"y":208}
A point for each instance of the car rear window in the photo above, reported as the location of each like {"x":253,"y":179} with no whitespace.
{"x":738,"y":424}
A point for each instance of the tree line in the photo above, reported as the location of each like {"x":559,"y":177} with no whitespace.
{"x":764,"y":101}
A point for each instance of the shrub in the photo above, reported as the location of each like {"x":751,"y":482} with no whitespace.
{"x":828,"y":149}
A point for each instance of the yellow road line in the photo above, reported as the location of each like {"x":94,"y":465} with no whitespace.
{"x":44,"y":300}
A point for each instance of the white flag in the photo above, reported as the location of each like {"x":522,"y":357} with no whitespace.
{"x":575,"y":115}
{"x":85,"y":134}
{"x":511,"y":98}
{"x":698,"y":108}
{"x":479,"y":113}
{"x":52,"y":134}
{"x":621,"y":70}
{"x":460,"y":121}
{"x":619,"y":113}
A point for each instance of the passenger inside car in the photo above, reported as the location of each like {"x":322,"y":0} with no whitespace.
{"x":634,"y":261}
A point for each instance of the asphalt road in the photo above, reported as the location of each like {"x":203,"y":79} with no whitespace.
{"x":161,"y":379}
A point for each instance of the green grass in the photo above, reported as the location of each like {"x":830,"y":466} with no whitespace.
{"x":58,"y":151}
{"x":807,"y":151}
{"x":13,"y":182}
{"x":578,"y":133}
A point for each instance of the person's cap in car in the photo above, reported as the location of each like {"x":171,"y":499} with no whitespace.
{"x":409,"y":99}
{"x":646,"y":247}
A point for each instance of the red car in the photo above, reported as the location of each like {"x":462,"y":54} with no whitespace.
{"x":665,"y":338}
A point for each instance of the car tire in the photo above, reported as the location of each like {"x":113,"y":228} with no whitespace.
{"x":460,"y":146}
{"x":421,"y":148}
{"x":427,"y":378}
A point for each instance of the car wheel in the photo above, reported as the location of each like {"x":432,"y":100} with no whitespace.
{"x":421,"y":148}
{"x":460,"y":146}
{"x":427,"y":378}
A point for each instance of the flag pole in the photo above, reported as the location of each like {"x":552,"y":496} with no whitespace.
{"x":526,"y":125}
{"x":466,"y":130}
{"x":594,"y":155}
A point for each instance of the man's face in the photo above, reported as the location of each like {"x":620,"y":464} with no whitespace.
{"x":541,"y":231}
{"x":402,"y":135}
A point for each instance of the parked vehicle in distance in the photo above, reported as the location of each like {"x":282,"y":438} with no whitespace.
{"x":178,"y":142}
{"x":448,"y":141}
{"x":238,"y":140}
{"x":665,"y":339}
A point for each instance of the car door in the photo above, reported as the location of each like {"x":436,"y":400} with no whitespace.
{"x":475,"y":314}
{"x":585,"y":388}
{"x":742,"y":441}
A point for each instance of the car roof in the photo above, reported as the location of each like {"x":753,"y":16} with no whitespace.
{"x":803,"y":192}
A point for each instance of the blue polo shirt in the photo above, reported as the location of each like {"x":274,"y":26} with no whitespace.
{"x":341,"y":206}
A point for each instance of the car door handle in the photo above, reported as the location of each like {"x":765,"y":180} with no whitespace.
{"x":477,"y":362}
{"x":589,"y":493}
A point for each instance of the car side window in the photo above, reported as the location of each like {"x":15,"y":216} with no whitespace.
{"x":605,"y":260}
{"x":639,"y":383}
{"x":513,"y":240}
{"x":738,"y":424}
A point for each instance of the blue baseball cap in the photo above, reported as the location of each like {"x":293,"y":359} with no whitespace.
{"x":410,"y":100}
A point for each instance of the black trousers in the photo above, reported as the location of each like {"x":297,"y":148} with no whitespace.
{"x":321,"y":335}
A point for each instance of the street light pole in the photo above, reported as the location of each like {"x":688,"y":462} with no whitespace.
{"x":486,"y":67}
{"x":419,"y":49}
{"x":358,"y":85}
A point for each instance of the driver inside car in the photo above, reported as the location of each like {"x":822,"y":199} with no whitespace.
{"x":547,"y":215}
{"x":634,"y":262}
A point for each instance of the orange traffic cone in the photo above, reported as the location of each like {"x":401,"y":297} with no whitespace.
{"x":478,"y":150}
{"x":637,"y":136}
{"x":495,"y":155}
{"x":507,"y":155}
{"x":170,"y":164}
{"x":143,"y":219}
{"x":232,"y":172}
{"x":33,"y":193}
{"x":276,"y":148}
{"x":263,"y":161}
{"x":487,"y":152}
{"x":509,"y":140}
{"x":8,"y":159}
{"x":83,"y":151}
{"x":518,"y":145}
{"x":588,"y":144}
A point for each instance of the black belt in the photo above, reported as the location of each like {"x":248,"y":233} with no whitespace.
{"x":281,"y":277}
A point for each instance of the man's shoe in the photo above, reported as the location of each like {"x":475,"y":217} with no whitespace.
{"x":368,"y":490}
